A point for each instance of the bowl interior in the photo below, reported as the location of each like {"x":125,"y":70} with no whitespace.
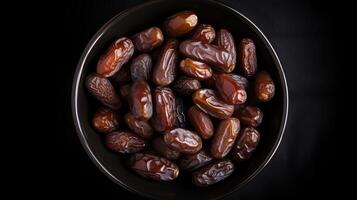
{"x":153,"y":13}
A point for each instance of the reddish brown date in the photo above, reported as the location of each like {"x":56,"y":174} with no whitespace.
{"x":122,"y":76}
{"x":201,"y":122}
{"x":105,"y":120}
{"x":230,"y":88}
{"x":180,"y":23}
{"x":180,"y":120}
{"x":213,"y":173}
{"x":164,"y":109}
{"x":141,"y":100}
{"x":207,"y":101}
{"x":148,"y":39}
{"x":225,"y":41}
{"x":204,"y":33}
{"x":116,"y":55}
{"x":264,"y":87}
{"x":103,"y":90}
{"x":140,"y":68}
{"x":221,"y":59}
{"x":153,"y":167}
{"x":161,"y":147}
{"x":124,"y":91}
{"x":124,"y":142}
{"x":141,"y":127}
{"x":225,"y":137}
{"x":246,"y":143}
{"x":247,"y":57}
{"x":190,"y":162}
{"x":250,"y":116}
{"x":186,"y":86}
{"x":196,"y":69}
{"x":165,"y":68}
{"x":183,"y":140}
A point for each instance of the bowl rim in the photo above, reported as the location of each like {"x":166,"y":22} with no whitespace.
{"x":78,"y":75}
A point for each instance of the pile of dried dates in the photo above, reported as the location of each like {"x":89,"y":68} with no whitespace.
{"x":178,"y":100}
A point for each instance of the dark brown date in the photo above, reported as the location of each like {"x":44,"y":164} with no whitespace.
{"x":186,"y":86}
{"x":161,"y":147}
{"x":124,"y":91}
{"x":213,"y":173}
{"x":204,"y":33}
{"x":141,"y":127}
{"x":247,"y":142}
{"x":183,"y":140}
{"x":264,"y":87}
{"x":105,"y":120}
{"x":225,"y":41}
{"x":164,"y":109}
{"x":230,"y":88}
{"x":196,"y":69}
{"x":180,"y":23}
{"x":124,"y":142}
{"x":250,"y":116}
{"x":122,"y":76}
{"x":148,"y":39}
{"x":103,"y":90}
{"x":190,"y":162}
{"x":207,"y":101}
{"x":153,"y":167}
{"x":140,"y":68}
{"x":247,"y":57}
{"x":165,"y":68}
{"x":225,"y":137}
{"x":201,"y":122}
{"x":180,"y":120}
{"x":116,"y":55}
{"x":141,"y":100}
{"x":213,"y":55}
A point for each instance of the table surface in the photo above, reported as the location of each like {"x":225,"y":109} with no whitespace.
{"x":301,"y":34}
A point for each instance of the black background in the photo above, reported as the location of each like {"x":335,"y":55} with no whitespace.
{"x":304,"y":36}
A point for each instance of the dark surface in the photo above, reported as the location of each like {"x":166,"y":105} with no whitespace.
{"x":302,"y":34}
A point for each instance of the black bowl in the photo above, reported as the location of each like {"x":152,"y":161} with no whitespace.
{"x":152,"y":13}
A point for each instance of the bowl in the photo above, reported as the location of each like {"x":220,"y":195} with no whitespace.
{"x":152,"y":13}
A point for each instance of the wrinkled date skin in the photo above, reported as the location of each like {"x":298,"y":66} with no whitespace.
{"x":124,"y":142}
{"x":195,"y":69}
{"x":148,"y":39}
{"x":165,"y":68}
{"x":213,"y":173}
{"x":201,"y":122}
{"x":103,"y":90}
{"x":140,"y":68}
{"x":208,"y":102}
{"x":250,"y":116}
{"x":141,"y":100}
{"x":225,"y":137}
{"x":204,"y":33}
{"x":153,"y":167}
{"x":124,"y":91}
{"x":105,"y":120}
{"x":141,"y":127}
{"x":122,"y":76}
{"x":230,"y":88}
{"x":247,"y":57}
{"x":161,"y":147}
{"x":164,"y":109}
{"x":116,"y":55}
{"x":192,"y":162}
{"x":213,"y":55}
{"x":180,"y":23}
{"x":264,"y":87}
{"x":180,"y":120}
{"x":246,"y":143}
{"x":186,"y":86}
{"x":183,"y":140}
{"x":225,"y":41}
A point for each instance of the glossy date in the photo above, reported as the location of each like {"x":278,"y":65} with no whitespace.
{"x":141,"y":127}
{"x":250,"y":116}
{"x":247,"y":57}
{"x":141,"y":100}
{"x":264,"y":87}
{"x":148,"y":39}
{"x":124,"y":142}
{"x":230,"y":88}
{"x":246,"y":143}
{"x":180,"y":23}
{"x":140,"y":68}
{"x":196,"y":69}
{"x":183,"y":140}
{"x":201,"y":122}
{"x":204,"y":33}
{"x":105,"y":120}
{"x":164,"y":109}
